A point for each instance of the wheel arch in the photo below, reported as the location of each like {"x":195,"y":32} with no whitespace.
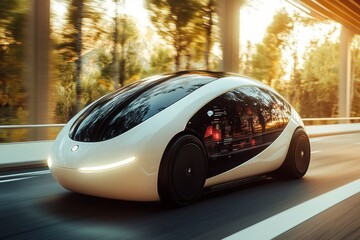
{"x":281,"y":171}
{"x":163,"y":171}
{"x":182,"y":133}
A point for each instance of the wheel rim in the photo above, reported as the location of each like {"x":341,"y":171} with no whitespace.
{"x":189,"y":174}
{"x":302,"y":154}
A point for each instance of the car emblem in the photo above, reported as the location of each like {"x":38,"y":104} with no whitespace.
{"x":210,"y":113}
{"x":75,"y":148}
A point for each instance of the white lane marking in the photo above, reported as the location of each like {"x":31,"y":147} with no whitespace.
{"x":15,"y":179}
{"x":26,"y":174}
{"x":312,"y":152}
{"x":281,"y":222}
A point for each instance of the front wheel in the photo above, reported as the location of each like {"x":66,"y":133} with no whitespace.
{"x":182,"y":172}
{"x":297,"y":159}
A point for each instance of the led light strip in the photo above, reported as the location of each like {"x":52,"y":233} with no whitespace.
{"x":107,"y":166}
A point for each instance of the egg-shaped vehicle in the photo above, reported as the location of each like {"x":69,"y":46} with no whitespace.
{"x":167,"y":137}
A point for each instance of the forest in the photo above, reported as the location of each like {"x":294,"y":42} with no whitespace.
{"x":98,"y":46}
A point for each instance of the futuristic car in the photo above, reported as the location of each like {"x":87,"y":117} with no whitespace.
{"x":169,"y":136}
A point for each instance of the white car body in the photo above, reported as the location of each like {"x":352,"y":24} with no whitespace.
{"x":126,"y":166}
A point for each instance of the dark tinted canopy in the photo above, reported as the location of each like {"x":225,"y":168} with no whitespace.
{"x":124,"y":109}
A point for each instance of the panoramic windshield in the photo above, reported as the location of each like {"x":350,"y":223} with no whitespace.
{"x":130,"y":106}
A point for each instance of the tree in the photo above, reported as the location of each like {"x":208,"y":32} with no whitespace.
{"x":115,"y":66}
{"x":294,"y":88}
{"x":65,"y":105}
{"x":128,"y":57}
{"x":160,"y":60}
{"x":101,"y":57}
{"x":128,"y":35}
{"x":320,"y":81}
{"x":355,"y":111}
{"x":81,"y":14}
{"x":266,"y":63}
{"x":12,"y":67}
{"x":172,"y":19}
{"x":245,"y":60}
{"x":209,"y":22}
{"x":189,"y":27}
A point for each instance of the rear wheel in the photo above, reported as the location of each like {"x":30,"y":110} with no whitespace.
{"x":182,"y":172}
{"x":297,"y":160}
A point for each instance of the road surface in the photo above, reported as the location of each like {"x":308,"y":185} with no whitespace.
{"x":34,"y":206}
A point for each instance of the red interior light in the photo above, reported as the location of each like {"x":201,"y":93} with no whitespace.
{"x":216,"y":135}
{"x":208,"y":132}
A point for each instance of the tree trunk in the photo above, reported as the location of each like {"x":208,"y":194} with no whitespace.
{"x":295,"y":81}
{"x":122,"y":71}
{"x":115,"y":56}
{"x":207,"y":50}
{"x":178,"y":47}
{"x":188,"y":59}
{"x":122,"y":54}
{"x":78,"y":49}
{"x":208,"y":27}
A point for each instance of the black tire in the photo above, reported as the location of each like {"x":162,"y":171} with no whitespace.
{"x":298,"y":157}
{"x":182,"y":172}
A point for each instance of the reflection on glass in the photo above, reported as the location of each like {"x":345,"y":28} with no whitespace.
{"x":242,"y":119}
{"x":123,"y":110}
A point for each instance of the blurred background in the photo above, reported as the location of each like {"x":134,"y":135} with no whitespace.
{"x":57,"y":56}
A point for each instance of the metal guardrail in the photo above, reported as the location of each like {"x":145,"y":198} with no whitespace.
{"x":22,"y":133}
{"x":330,"y":119}
{"x":31,"y":126}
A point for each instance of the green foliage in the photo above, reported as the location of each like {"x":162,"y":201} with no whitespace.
{"x":12,"y":68}
{"x":313,"y":89}
{"x":12,"y":58}
{"x":82,"y":14}
{"x":96,"y":76}
{"x":266,"y":63}
{"x":160,"y":61}
{"x":245,"y":60}
{"x":84,"y":57}
{"x":75,"y":39}
{"x":355,"y":111}
{"x":129,"y":60}
{"x":172,"y":18}
{"x":12,"y":20}
{"x":86,"y":13}
{"x":133,"y":67}
{"x":65,"y":87}
{"x":186,"y":25}
{"x":320,"y":81}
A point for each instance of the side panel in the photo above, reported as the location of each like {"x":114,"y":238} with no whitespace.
{"x":239,"y":125}
{"x":268,"y":160}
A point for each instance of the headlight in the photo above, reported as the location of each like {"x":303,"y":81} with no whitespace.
{"x":107,"y":166}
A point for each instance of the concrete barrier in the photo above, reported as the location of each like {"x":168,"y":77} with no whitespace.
{"x":36,"y":153}
{"x":25,"y":153}
{"x":332,"y":129}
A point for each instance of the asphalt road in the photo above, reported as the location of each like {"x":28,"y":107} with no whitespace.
{"x":34,"y":206}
